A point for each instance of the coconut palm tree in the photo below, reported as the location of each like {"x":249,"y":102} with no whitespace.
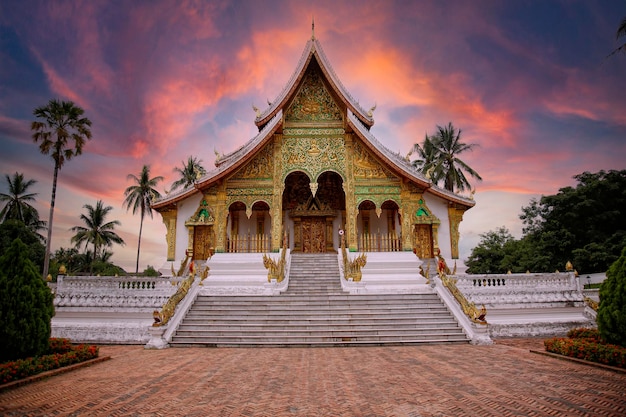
{"x":139,"y":197}
{"x":18,"y":199}
{"x":190,"y":172}
{"x":621,"y":33}
{"x":98,"y":232}
{"x":60,"y":122}
{"x":18,"y":206}
{"x":440,"y":161}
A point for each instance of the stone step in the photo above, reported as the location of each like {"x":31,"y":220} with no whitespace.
{"x":315,"y":311}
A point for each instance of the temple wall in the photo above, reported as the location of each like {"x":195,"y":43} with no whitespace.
{"x":186,"y":209}
{"x":439,"y":208}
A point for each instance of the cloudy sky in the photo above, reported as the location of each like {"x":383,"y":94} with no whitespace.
{"x":528,"y":81}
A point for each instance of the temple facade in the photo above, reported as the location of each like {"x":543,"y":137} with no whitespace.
{"x":313,"y":174}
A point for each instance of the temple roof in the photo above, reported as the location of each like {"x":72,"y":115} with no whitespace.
{"x":225,"y":164}
{"x":313,"y":49}
{"x":271,"y":121}
{"x":402,"y":165}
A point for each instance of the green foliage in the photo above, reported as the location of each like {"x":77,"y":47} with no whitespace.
{"x":490,"y":254}
{"x":98,"y":232}
{"x":140,"y":196}
{"x":585,"y":224}
{"x":15,"y":229}
{"x":586,"y":345}
{"x":150,"y":272}
{"x":612,"y":309}
{"x":18,"y":205}
{"x":60,"y":353}
{"x":438,"y":157}
{"x":26,"y":306}
{"x":189,"y":173}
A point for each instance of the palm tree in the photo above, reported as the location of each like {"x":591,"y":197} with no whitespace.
{"x":621,"y":32}
{"x":426,"y":155}
{"x":18,"y":199}
{"x":62,"y":121}
{"x":191,"y":171}
{"x":18,"y":204}
{"x":97,"y":232}
{"x":440,"y":159}
{"x":139,"y":197}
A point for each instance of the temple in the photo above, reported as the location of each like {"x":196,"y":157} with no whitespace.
{"x":312,"y":173}
{"x":258,"y":250}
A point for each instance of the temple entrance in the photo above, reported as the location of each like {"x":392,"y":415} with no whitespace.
{"x":313,"y":210}
{"x":423,"y":241}
{"x":313,"y":234}
{"x":203,"y":242}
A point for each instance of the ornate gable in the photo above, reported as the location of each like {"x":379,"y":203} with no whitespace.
{"x":261,"y":166}
{"x":366,"y":166}
{"x":313,"y":103}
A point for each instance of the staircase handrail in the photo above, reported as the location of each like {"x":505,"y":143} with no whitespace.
{"x":351,"y":267}
{"x":276,"y":269}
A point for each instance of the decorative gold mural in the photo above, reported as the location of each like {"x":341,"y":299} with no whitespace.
{"x":366,"y":166}
{"x":313,"y":102}
{"x":261,"y":166}
{"x":313,"y":155}
{"x":455,"y":216}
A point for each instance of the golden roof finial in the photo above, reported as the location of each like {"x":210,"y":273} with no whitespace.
{"x":312,"y":28}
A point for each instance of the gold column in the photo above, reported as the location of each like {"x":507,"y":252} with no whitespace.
{"x":455,"y":216}
{"x":276,"y":211}
{"x":221,"y":218}
{"x":169,"y":219}
{"x":348,"y":188}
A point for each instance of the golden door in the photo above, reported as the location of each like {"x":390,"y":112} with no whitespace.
{"x":423,"y":241}
{"x":202,"y":242}
{"x":313,"y":234}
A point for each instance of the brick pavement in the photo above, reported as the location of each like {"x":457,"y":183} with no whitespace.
{"x":504,"y":379}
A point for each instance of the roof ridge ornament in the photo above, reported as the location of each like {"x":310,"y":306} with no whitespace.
{"x":312,"y":28}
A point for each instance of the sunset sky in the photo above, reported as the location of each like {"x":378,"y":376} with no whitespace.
{"x":528,"y":81}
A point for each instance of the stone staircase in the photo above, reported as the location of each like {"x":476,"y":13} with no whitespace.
{"x":314,"y":311}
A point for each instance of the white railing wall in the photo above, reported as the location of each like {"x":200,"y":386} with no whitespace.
{"x":521,"y":290}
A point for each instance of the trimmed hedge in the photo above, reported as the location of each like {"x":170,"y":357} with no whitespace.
{"x":62,"y":353}
{"x":586,"y":344}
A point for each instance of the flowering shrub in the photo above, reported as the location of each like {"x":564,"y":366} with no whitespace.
{"x":62,"y":353}
{"x":586,"y":344}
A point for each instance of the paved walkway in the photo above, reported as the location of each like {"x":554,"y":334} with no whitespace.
{"x":445,"y":380}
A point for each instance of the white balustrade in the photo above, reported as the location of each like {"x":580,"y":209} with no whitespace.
{"x":528,"y":290}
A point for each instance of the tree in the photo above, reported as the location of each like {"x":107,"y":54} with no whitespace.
{"x":488,"y":256}
{"x":583,"y":224}
{"x":18,"y":206}
{"x":18,"y":199}
{"x":62,"y":121}
{"x":98,"y":232}
{"x":440,"y":158}
{"x":139,"y":197}
{"x":15,"y":229}
{"x":26,"y":306}
{"x":612,"y":309}
{"x":621,"y":33}
{"x":191,"y":171}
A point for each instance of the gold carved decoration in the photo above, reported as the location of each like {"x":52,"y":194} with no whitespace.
{"x":455,"y":216}
{"x":276,"y":269}
{"x":313,"y":102}
{"x":162,"y":317}
{"x":169,"y":219}
{"x":313,"y":156}
{"x":352,"y":267}
{"x":261,"y":166}
{"x":203,"y":215}
{"x":366,"y":166}
{"x":476,"y":315}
